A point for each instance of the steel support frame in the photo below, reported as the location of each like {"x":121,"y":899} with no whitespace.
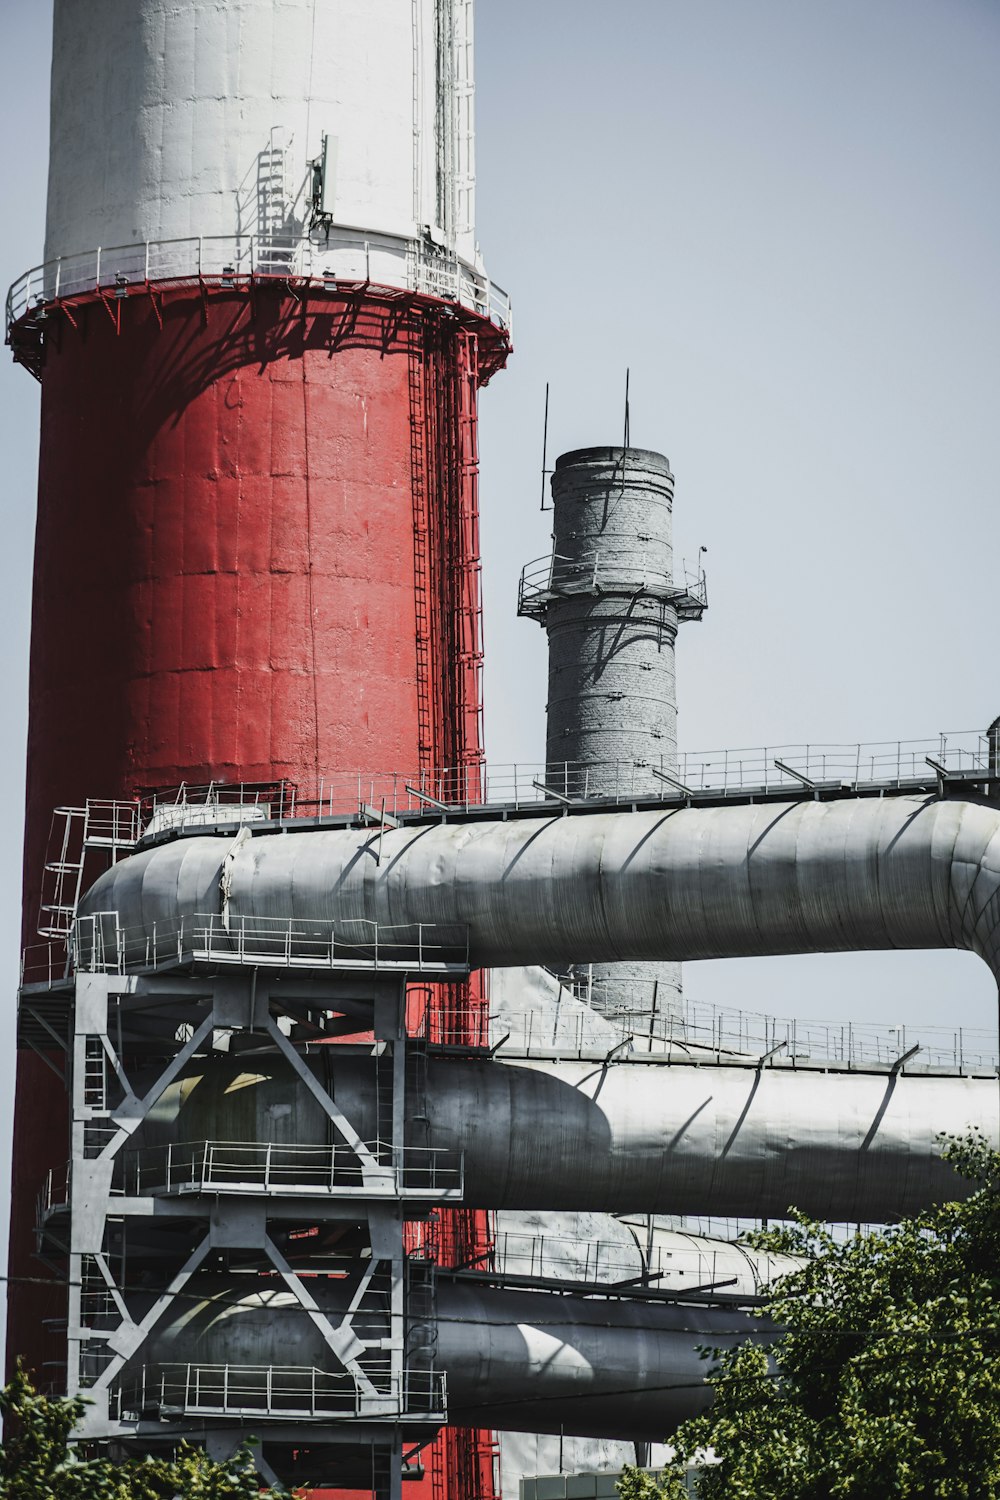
{"x":106,"y":1110}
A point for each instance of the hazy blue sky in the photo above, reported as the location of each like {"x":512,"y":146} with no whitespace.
{"x":783,"y":215}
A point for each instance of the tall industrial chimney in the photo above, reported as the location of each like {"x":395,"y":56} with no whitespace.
{"x":260,"y":328}
{"x":610,"y":606}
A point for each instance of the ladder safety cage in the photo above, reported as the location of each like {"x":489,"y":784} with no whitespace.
{"x":108,"y":826}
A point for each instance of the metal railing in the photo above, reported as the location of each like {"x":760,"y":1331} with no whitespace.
{"x":370,"y":797}
{"x":348,"y":254}
{"x":680,"y":1264}
{"x":100,"y":944}
{"x":611,"y":570}
{"x":736,"y":1227}
{"x":281,"y":1392}
{"x":652,"y":1019}
{"x":293,"y":1169}
{"x":697,"y":1031}
{"x":110,"y":823}
{"x":44,"y":963}
{"x":53,"y":1196}
{"x":882,"y":763}
{"x":580,"y":1022}
{"x":732,"y":772}
{"x":720,"y":1030}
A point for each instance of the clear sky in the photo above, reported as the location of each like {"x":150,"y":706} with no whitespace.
{"x":783,"y":216}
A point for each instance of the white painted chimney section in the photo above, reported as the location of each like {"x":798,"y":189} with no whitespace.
{"x":174,"y":119}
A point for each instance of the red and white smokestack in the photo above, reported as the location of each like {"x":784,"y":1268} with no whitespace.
{"x":260,"y":328}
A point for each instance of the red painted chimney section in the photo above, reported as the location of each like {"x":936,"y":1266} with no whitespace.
{"x":256,"y":560}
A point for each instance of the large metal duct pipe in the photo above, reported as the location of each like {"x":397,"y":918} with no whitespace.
{"x":797,"y":877}
{"x":530,"y":1361}
{"x":623,"y":1137}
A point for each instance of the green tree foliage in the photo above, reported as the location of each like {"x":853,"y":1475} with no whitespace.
{"x":37,"y":1461}
{"x":885,"y":1379}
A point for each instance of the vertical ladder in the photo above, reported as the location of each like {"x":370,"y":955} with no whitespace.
{"x":445,"y":121}
{"x":416,"y":1103}
{"x":62,"y":876}
{"x":112,"y":827}
{"x":469,"y":705}
{"x":384,"y":1106}
{"x":464,"y":187}
{"x":95,"y":1076}
{"x":275,"y":253}
{"x":426,"y":726}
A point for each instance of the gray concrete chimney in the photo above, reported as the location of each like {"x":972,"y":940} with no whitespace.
{"x":610,"y":605}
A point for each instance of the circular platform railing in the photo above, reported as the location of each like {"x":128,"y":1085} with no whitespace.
{"x":347,"y":254}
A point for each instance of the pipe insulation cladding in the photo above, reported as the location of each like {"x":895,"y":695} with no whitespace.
{"x":632,"y":1136}
{"x":533,"y":1361}
{"x":689,"y":883}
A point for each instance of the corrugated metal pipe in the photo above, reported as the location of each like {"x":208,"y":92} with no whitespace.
{"x":528,"y":1361}
{"x":629,"y":1136}
{"x":688,"y":883}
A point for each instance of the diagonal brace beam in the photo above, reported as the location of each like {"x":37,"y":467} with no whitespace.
{"x":128,"y":1338}
{"x":133,"y":1111}
{"x":336,"y":1116}
{"x":340,"y":1338}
